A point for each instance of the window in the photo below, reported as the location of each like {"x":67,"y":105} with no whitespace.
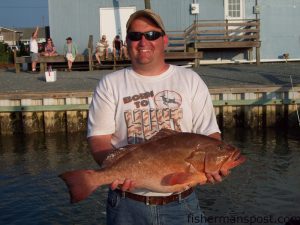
{"x":1,"y":38}
{"x":234,"y":9}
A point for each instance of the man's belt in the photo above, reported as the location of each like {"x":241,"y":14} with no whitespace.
{"x":155,"y":200}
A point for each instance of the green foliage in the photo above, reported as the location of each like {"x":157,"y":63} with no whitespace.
{"x":3,"y":47}
{"x":23,"y":50}
{"x":6,"y":55}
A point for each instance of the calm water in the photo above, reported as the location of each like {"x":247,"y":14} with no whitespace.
{"x":268,"y":184}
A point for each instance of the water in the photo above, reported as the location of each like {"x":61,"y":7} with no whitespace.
{"x":267,"y":185}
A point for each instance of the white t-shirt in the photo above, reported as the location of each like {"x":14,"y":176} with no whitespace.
{"x":133,"y":107}
{"x":34,"y":46}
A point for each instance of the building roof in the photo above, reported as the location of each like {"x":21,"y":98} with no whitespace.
{"x":27,"y":32}
{"x":7,"y":29}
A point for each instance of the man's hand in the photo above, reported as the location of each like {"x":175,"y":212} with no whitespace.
{"x":126,"y":185}
{"x":217,"y":176}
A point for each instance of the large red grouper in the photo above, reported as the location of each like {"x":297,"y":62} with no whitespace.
{"x":169,"y":162}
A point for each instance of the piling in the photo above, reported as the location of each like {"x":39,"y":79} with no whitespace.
{"x":68,"y":112}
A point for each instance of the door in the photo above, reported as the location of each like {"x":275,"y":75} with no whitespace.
{"x":113,"y":22}
{"x":234,"y":9}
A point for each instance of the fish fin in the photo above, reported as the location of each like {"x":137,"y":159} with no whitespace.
{"x":116,"y":154}
{"x":163,"y":133}
{"x":79,"y":183}
{"x":185,"y":178}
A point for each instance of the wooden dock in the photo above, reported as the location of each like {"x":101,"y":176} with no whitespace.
{"x":32,"y":105}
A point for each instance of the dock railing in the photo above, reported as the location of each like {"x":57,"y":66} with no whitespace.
{"x":218,"y":34}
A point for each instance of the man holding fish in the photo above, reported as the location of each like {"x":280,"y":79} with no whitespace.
{"x":130,"y":106}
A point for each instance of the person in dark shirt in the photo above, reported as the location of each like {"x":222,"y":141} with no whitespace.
{"x":118,"y":47}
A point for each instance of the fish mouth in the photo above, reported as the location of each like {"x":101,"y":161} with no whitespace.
{"x":237,"y":159}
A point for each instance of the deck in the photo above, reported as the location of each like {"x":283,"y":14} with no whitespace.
{"x":185,"y":46}
{"x":204,"y":35}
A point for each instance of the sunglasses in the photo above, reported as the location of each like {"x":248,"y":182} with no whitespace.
{"x":150,"y":35}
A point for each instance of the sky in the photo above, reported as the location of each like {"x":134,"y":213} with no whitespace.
{"x":23,"y":13}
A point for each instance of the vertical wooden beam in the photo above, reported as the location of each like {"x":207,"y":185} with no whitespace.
{"x":218,"y":110}
{"x":147,"y":4}
{"x":257,"y":51}
{"x":226,"y":29}
{"x":292,"y":110}
{"x":54,"y":121}
{"x":43,"y":66}
{"x":32,"y":121}
{"x":254,"y":115}
{"x":17,"y":65}
{"x":280,"y":111}
{"x":90,"y":52}
{"x":238,"y":116}
{"x":10,"y":122}
{"x":250,"y":54}
{"x":270,"y":110}
{"x":91,"y":63}
{"x":257,"y":55}
{"x":228,"y":111}
{"x":76,"y":120}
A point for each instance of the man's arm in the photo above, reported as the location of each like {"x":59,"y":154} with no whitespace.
{"x":216,"y":135}
{"x":100,"y":146}
{"x":36,"y":32}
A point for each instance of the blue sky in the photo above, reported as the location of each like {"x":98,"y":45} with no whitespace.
{"x":23,"y":13}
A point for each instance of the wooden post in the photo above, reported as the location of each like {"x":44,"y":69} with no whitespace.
{"x":254,"y":115}
{"x":90,"y":52}
{"x":226,"y":29}
{"x":76,"y":120}
{"x":147,"y":4}
{"x":228,"y":111}
{"x":218,"y":110}
{"x":280,"y":111}
{"x":54,"y":121}
{"x":91,"y":64}
{"x":238,"y":117}
{"x":271,"y":111}
{"x":17,"y":65}
{"x":257,"y":55}
{"x":250,"y":54}
{"x":43,"y":67}
{"x":10,"y":122}
{"x":292,"y":109}
{"x":32,"y":121}
{"x":257,"y":50}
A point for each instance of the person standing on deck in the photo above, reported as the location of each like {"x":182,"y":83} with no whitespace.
{"x":34,"y":49}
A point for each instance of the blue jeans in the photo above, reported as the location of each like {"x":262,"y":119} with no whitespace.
{"x":125,"y":211}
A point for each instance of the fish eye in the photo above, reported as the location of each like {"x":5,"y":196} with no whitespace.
{"x":221,"y":148}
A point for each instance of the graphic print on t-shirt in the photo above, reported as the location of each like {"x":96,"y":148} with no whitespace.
{"x":144,"y":120}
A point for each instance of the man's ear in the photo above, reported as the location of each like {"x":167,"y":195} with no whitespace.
{"x":127,"y":40}
{"x":166,"y":41}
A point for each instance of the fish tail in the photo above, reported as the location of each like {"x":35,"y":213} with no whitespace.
{"x":81,"y":183}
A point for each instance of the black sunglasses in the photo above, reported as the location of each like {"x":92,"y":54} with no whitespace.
{"x":150,"y":35}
